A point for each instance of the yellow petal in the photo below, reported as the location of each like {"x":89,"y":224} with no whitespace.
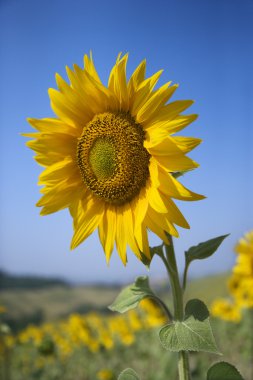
{"x":107,"y":230}
{"x":54,"y":146}
{"x":176,"y":163}
{"x":66,"y":109}
{"x":135,"y":80}
{"x":153,"y":105}
{"x":156,"y":229}
{"x":118,"y":83}
{"x":90,"y":67}
{"x":156,"y":201}
{"x":77,"y":206}
{"x":95,"y":96}
{"x":175,"y":215}
{"x":186,"y":144}
{"x":141,"y":237}
{"x":51,"y":125}
{"x":90,"y":218}
{"x":170,"y":111}
{"x":173,"y":188}
{"x":139,"y":206}
{"x":59,"y":171}
{"x":166,"y":147}
{"x":144,"y":92}
{"x":129,"y":230}
{"x":58,"y":197}
{"x":164,"y":223}
{"x":121,"y":239}
{"x":174,"y":125}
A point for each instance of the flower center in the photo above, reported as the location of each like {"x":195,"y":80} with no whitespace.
{"x":103,"y":158}
{"x":111,"y":157}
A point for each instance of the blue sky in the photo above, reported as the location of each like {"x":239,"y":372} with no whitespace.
{"x":204,"y":45}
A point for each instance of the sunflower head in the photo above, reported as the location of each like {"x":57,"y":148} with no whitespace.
{"x":110,"y":156}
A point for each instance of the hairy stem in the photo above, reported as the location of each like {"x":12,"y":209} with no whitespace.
{"x":177,"y":294}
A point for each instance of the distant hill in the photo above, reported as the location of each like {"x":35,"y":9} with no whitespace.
{"x":52,"y":302}
{"x":10,"y":281}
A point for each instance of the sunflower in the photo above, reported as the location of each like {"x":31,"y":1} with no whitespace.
{"x":226,"y":310}
{"x":244,"y":250}
{"x":110,"y":156}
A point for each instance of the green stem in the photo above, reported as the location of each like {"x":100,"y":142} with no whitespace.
{"x":164,"y":306}
{"x":183,"y":365}
{"x":185,"y":275}
{"x":177,"y":294}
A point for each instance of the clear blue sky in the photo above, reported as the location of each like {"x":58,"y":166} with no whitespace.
{"x":204,"y":45}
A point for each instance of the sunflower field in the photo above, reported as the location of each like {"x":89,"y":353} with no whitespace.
{"x":97,"y":345}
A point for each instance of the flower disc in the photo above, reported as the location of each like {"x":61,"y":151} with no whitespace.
{"x":113,"y":162}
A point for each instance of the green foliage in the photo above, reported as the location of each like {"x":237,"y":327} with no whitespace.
{"x":188,"y":335}
{"x":203,"y":250}
{"x":130,"y":296}
{"x":197,"y":309}
{"x":128,"y":374}
{"x":224,"y":371}
{"x":46,"y":347}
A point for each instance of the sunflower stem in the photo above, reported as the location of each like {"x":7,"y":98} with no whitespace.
{"x":177,"y":295}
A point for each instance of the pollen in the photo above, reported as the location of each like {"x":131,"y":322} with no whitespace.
{"x":111,"y":157}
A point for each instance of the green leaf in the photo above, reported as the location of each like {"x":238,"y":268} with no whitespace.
{"x":188,"y":335}
{"x":203,"y":250}
{"x":128,"y":374}
{"x":130,"y":296}
{"x":224,"y":371}
{"x":197,"y":309}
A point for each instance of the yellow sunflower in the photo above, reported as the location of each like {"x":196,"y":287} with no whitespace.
{"x":110,"y":155}
{"x":244,"y":261}
{"x":226,"y":310}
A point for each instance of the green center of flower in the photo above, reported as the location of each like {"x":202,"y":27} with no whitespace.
{"x":103,"y":158}
{"x":111,"y":157}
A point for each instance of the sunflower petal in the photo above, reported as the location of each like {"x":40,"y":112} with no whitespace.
{"x":175,"y":215}
{"x":186,"y":144}
{"x":176,"y":163}
{"x":107,"y":231}
{"x":51,"y":125}
{"x":58,"y":197}
{"x":121,"y":239}
{"x":90,"y":67}
{"x":170,"y":111}
{"x":59,"y":171}
{"x":89,"y":220}
{"x":141,"y":237}
{"x":152,"y":106}
{"x":170,"y":186}
{"x":137,"y":77}
{"x":143,"y":92}
{"x":172,"y":126}
{"x":118,"y":83}
{"x":164,"y":223}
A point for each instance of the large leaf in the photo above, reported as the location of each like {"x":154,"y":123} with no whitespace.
{"x":188,"y":335}
{"x":203,"y":250}
{"x":130,"y":296}
{"x":128,"y":374}
{"x":223,"y":371}
{"x":197,"y":309}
